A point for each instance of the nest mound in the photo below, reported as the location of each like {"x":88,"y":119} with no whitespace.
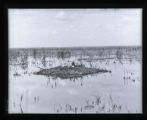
{"x":66,"y":72}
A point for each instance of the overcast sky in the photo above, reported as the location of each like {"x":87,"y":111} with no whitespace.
{"x":74,"y":27}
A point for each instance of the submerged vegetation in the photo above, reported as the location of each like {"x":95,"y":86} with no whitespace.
{"x":67,"y":72}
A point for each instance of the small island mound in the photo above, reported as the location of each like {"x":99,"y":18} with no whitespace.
{"x":68,"y":72}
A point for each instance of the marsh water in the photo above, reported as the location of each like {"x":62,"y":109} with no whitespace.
{"x":118,"y":91}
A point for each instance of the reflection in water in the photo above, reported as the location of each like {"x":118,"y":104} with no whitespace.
{"x":55,"y":82}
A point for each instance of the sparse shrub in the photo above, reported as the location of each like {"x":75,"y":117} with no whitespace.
{"x":119,"y":54}
{"x":24,"y":62}
{"x":44,"y":61}
{"x":100,"y":53}
{"x":34,"y":53}
{"x":63,"y":55}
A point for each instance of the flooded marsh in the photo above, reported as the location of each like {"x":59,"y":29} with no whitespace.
{"x":118,"y":91}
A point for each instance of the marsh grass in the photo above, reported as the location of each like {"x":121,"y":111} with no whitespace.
{"x":96,"y":105}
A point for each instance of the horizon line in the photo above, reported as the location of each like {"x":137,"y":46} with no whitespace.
{"x":75,"y":47}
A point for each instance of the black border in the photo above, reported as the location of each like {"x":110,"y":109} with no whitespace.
{"x":67,"y":4}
